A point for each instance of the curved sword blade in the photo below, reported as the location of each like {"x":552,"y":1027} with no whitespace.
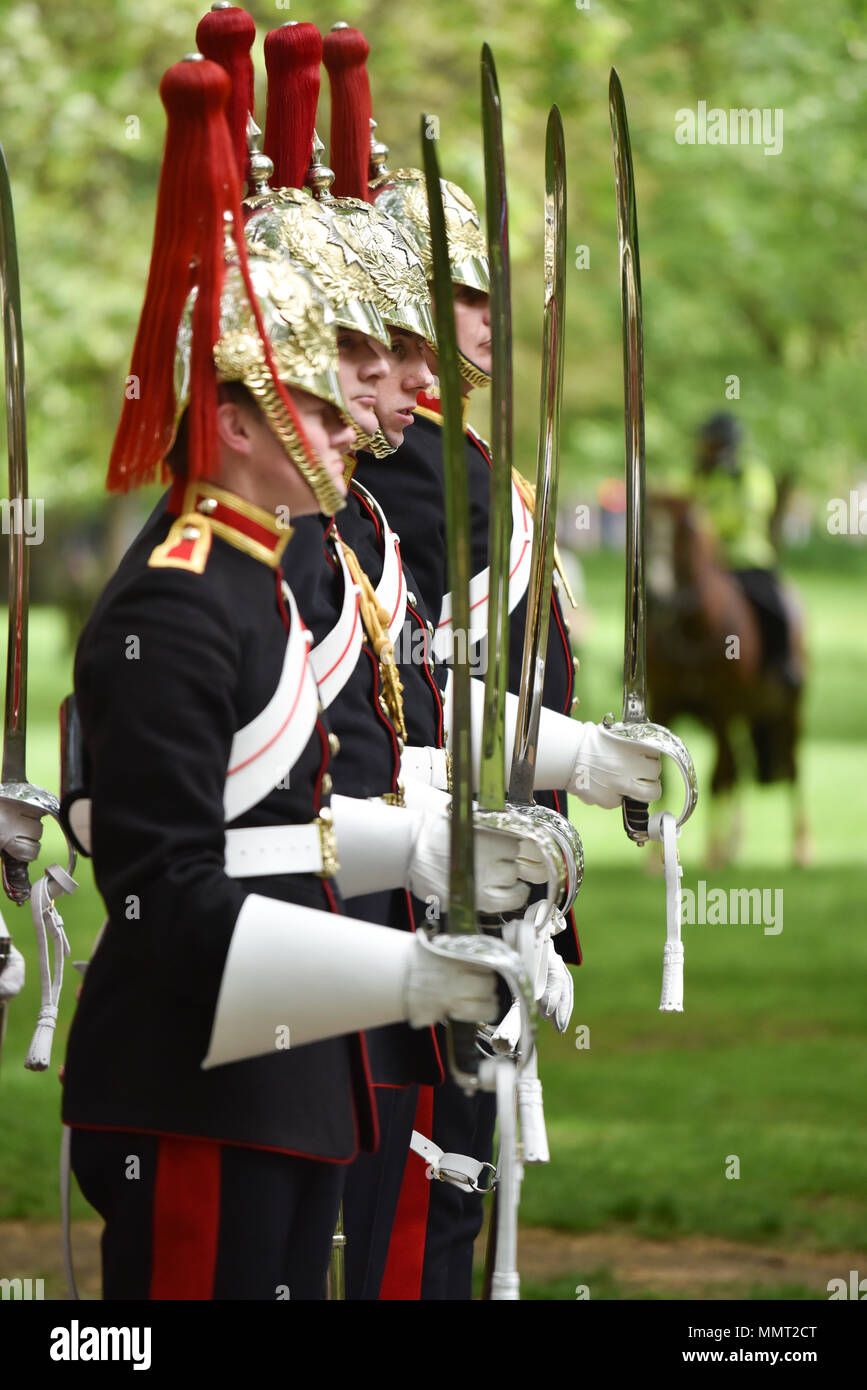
{"x":547,"y":470}
{"x":15,"y":713}
{"x":463,"y":1054}
{"x":634,"y":682}
{"x":492,"y":776}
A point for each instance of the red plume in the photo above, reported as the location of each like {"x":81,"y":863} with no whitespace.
{"x":293,"y":54}
{"x":198,"y":186}
{"x":226,"y":37}
{"x":345,"y":55}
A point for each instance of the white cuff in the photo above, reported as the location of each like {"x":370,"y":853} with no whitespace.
{"x":428,"y":765}
{"x":375,"y":844}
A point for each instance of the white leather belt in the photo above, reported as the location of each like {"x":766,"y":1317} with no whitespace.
{"x":260,"y":851}
{"x":334,"y":658}
{"x":391,"y":589}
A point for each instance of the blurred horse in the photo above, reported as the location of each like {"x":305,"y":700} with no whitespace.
{"x":704,"y":658}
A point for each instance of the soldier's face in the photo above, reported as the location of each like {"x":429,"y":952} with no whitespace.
{"x":362,"y":364}
{"x":473,"y":325}
{"x":329,"y":438}
{"x":254,"y":464}
{"x":408,"y":373}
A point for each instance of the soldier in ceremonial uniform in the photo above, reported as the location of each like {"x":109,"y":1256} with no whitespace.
{"x":209,"y":756}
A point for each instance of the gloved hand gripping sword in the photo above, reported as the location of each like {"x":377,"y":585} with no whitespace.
{"x":18,"y":796}
{"x":635,"y":724}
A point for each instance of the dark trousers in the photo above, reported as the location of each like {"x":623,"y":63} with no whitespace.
{"x":762,"y":588}
{"x":196,"y":1219}
{"x":372,"y":1190}
{"x":462,"y":1124}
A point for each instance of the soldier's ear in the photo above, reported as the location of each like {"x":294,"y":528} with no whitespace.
{"x":234,"y":427}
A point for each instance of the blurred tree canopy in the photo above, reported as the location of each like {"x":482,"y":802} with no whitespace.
{"x":752,"y":263}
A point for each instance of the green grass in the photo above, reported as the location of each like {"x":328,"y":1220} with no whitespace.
{"x":768,"y":1061}
{"x":605,"y":1288}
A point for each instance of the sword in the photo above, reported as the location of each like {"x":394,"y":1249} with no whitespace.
{"x":492,"y":778}
{"x":463,"y":1054}
{"x":547,"y":471}
{"x":565,"y":860}
{"x":634,"y":724}
{"x":14,"y":785}
{"x":501,"y":1275}
{"x":533,"y":1136}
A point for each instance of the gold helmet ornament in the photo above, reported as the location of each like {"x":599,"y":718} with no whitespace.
{"x":302,"y":332}
{"x":218,"y":314}
{"x":392,"y":254}
{"x":291,"y":223}
{"x":388,"y":254}
{"x":371,"y":272}
{"x":402,"y":195}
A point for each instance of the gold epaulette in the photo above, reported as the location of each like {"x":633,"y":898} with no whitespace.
{"x":527,"y":493}
{"x":375,"y":620}
{"x":186,"y":547}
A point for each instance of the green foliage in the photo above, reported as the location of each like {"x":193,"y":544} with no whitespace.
{"x":752,"y":263}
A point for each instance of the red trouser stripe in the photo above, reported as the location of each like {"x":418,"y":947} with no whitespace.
{"x":402,"y":1279}
{"x":186,"y":1219}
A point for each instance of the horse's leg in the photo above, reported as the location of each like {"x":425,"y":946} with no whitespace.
{"x":723,"y":782}
{"x":803,"y":846}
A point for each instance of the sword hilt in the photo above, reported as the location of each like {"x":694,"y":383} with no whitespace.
{"x":464,"y":1052}
{"x":14,"y":872}
{"x":635,"y":819}
{"x":16,"y":880}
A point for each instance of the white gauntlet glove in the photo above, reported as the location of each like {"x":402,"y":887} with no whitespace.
{"x":439,"y":988}
{"x":12,"y":975}
{"x":381,"y":847}
{"x":558,"y":993}
{"x":607,"y":768}
{"x":428,"y":765}
{"x":501,"y":861}
{"x":20,"y":829}
{"x":596,"y":766}
{"x":295,"y":975}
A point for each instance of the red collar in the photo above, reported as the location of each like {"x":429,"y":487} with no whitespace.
{"x":431,"y":407}
{"x":244,"y":525}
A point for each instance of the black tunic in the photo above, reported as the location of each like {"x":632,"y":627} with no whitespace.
{"x":171,"y":664}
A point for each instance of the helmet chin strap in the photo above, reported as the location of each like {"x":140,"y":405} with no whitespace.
{"x":473,"y":375}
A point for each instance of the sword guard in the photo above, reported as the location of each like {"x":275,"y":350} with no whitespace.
{"x":556,"y":838}
{"x":479,"y":949}
{"x":15,"y":877}
{"x":661,"y":740}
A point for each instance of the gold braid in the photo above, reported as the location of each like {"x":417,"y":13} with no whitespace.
{"x":375,"y":620}
{"x":527,"y":493}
